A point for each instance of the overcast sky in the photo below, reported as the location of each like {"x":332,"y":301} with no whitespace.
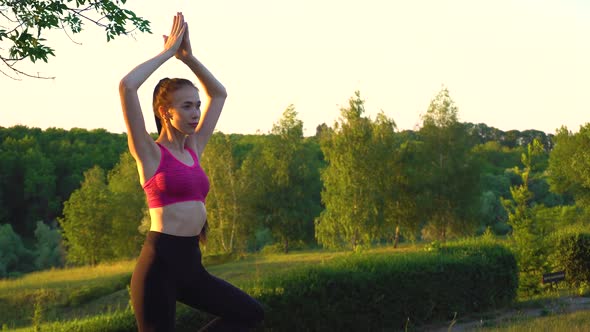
{"x":519,"y":64}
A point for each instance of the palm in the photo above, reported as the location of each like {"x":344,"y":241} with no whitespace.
{"x":174,"y":41}
{"x":184,"y":50}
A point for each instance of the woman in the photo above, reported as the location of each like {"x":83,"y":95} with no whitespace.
{"x":169,"y":267}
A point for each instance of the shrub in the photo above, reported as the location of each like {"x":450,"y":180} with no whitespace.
{"x":376,"y":291}
{"x":48,"y":250}
{"x":572,"y":254}
{"x":14,"y":257}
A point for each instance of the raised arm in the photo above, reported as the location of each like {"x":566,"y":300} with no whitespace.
{"x":214,"y":90}
{"x":141,"y":145}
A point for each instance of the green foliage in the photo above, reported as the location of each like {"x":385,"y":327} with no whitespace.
{"x":28,"y":21}
{"x":527,"y":232}
{"x":48,"y":249}
{"x":450,"y":172}
{"x":14,"y":257}
{"x":362,"y":203}
{"x":101,"y":219}
{"x":569,"y":163}
{"x":87,"y":220}
{"x":28,"y":183}
{"x":281,"y":182}
{"x":38,"y":312}
{"x":40,"y":169}
{"x":372,"y":284}
{"x":225,"y":201}
{"x":262,"y":237}
{"x":571,"y":253}
{"x":127,"y":205}
{"x":376,"y":292}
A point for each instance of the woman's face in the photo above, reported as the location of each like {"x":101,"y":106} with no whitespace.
{"x":185,"y":109}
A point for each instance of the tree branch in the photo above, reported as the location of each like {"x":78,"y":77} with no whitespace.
{"x":67,"y":34}
{"x":78,"y":12}
{"x":21,"y":72}
{"x":5,"y":74}
{"x":6,"y":17}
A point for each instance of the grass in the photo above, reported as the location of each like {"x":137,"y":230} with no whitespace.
{"x":572,"y":322}
{"x":83,"y":295}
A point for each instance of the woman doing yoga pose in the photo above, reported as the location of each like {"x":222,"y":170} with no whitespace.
{"x":169,"y":267}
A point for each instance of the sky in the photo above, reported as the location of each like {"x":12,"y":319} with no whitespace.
{"x":519,"y":64}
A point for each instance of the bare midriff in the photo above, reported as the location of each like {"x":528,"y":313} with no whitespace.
{"x":180,"y":219}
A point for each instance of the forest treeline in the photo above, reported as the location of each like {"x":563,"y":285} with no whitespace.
{"x":73,"y":196}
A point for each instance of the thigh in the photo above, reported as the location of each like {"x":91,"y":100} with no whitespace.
{"x":152,"y":293}
{"x":220,"y":298}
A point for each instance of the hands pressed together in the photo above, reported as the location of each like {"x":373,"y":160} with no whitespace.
{"x":178,"y":42}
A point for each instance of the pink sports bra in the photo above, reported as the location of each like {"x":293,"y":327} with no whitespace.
{"x":176,"y":182}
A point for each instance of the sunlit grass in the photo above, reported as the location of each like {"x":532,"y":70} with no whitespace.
{"x":56,"y":286}
{"x":58,"y":278}
{"x":572,"y":322}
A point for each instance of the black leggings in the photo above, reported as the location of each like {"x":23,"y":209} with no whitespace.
{"x":169,"y":269}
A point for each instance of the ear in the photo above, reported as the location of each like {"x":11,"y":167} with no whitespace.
{"x":164,"y":114}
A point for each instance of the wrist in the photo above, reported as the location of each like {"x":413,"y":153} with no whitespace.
{"x":188,"y":59}
{"x":167,"y":54}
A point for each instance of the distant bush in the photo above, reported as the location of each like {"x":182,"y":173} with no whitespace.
{"x":216,"y":259}
{"x":572,"y":254}
{"x":48,"y":250}
{"x":15,"y":259}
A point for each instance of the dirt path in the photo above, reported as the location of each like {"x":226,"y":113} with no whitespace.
{"x":551,"y":307}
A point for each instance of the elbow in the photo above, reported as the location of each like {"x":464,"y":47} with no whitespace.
{"x":125,"y":86}
{"x":221,"y":93}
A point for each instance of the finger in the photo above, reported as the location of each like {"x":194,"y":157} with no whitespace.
{"x":174,"y":25}
{"x":180,"y":21}
{"x":179,"y":24}
{"x":182,"y":31}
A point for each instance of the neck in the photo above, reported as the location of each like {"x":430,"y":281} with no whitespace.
{"x":172,"y":139}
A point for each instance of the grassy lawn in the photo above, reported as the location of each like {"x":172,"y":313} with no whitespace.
{"x":85,"y":292}
{"x":572,"y":322}
{"x":93,"y":293}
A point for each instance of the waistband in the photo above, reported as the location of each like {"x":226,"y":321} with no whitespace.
{"x":169,"y":240}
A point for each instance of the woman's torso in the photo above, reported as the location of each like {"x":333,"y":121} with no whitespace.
{"x":180,"y":218}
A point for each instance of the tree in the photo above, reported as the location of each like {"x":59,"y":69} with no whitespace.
{"x":569,"y":163}
{"x":451,"y":173}
{"x":48,"y":250}
{"x":26,"y":22}
{"x":127,"y":205}
{"x":225,"y":198}
{"x":394,"y":206}
{"x":14,"y":257}
{"x":86,"y":223}
{"x":355,"y":192}
{"x":28,"y":182}
{"x":282,"y":179}
{"x":527,"y":232}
